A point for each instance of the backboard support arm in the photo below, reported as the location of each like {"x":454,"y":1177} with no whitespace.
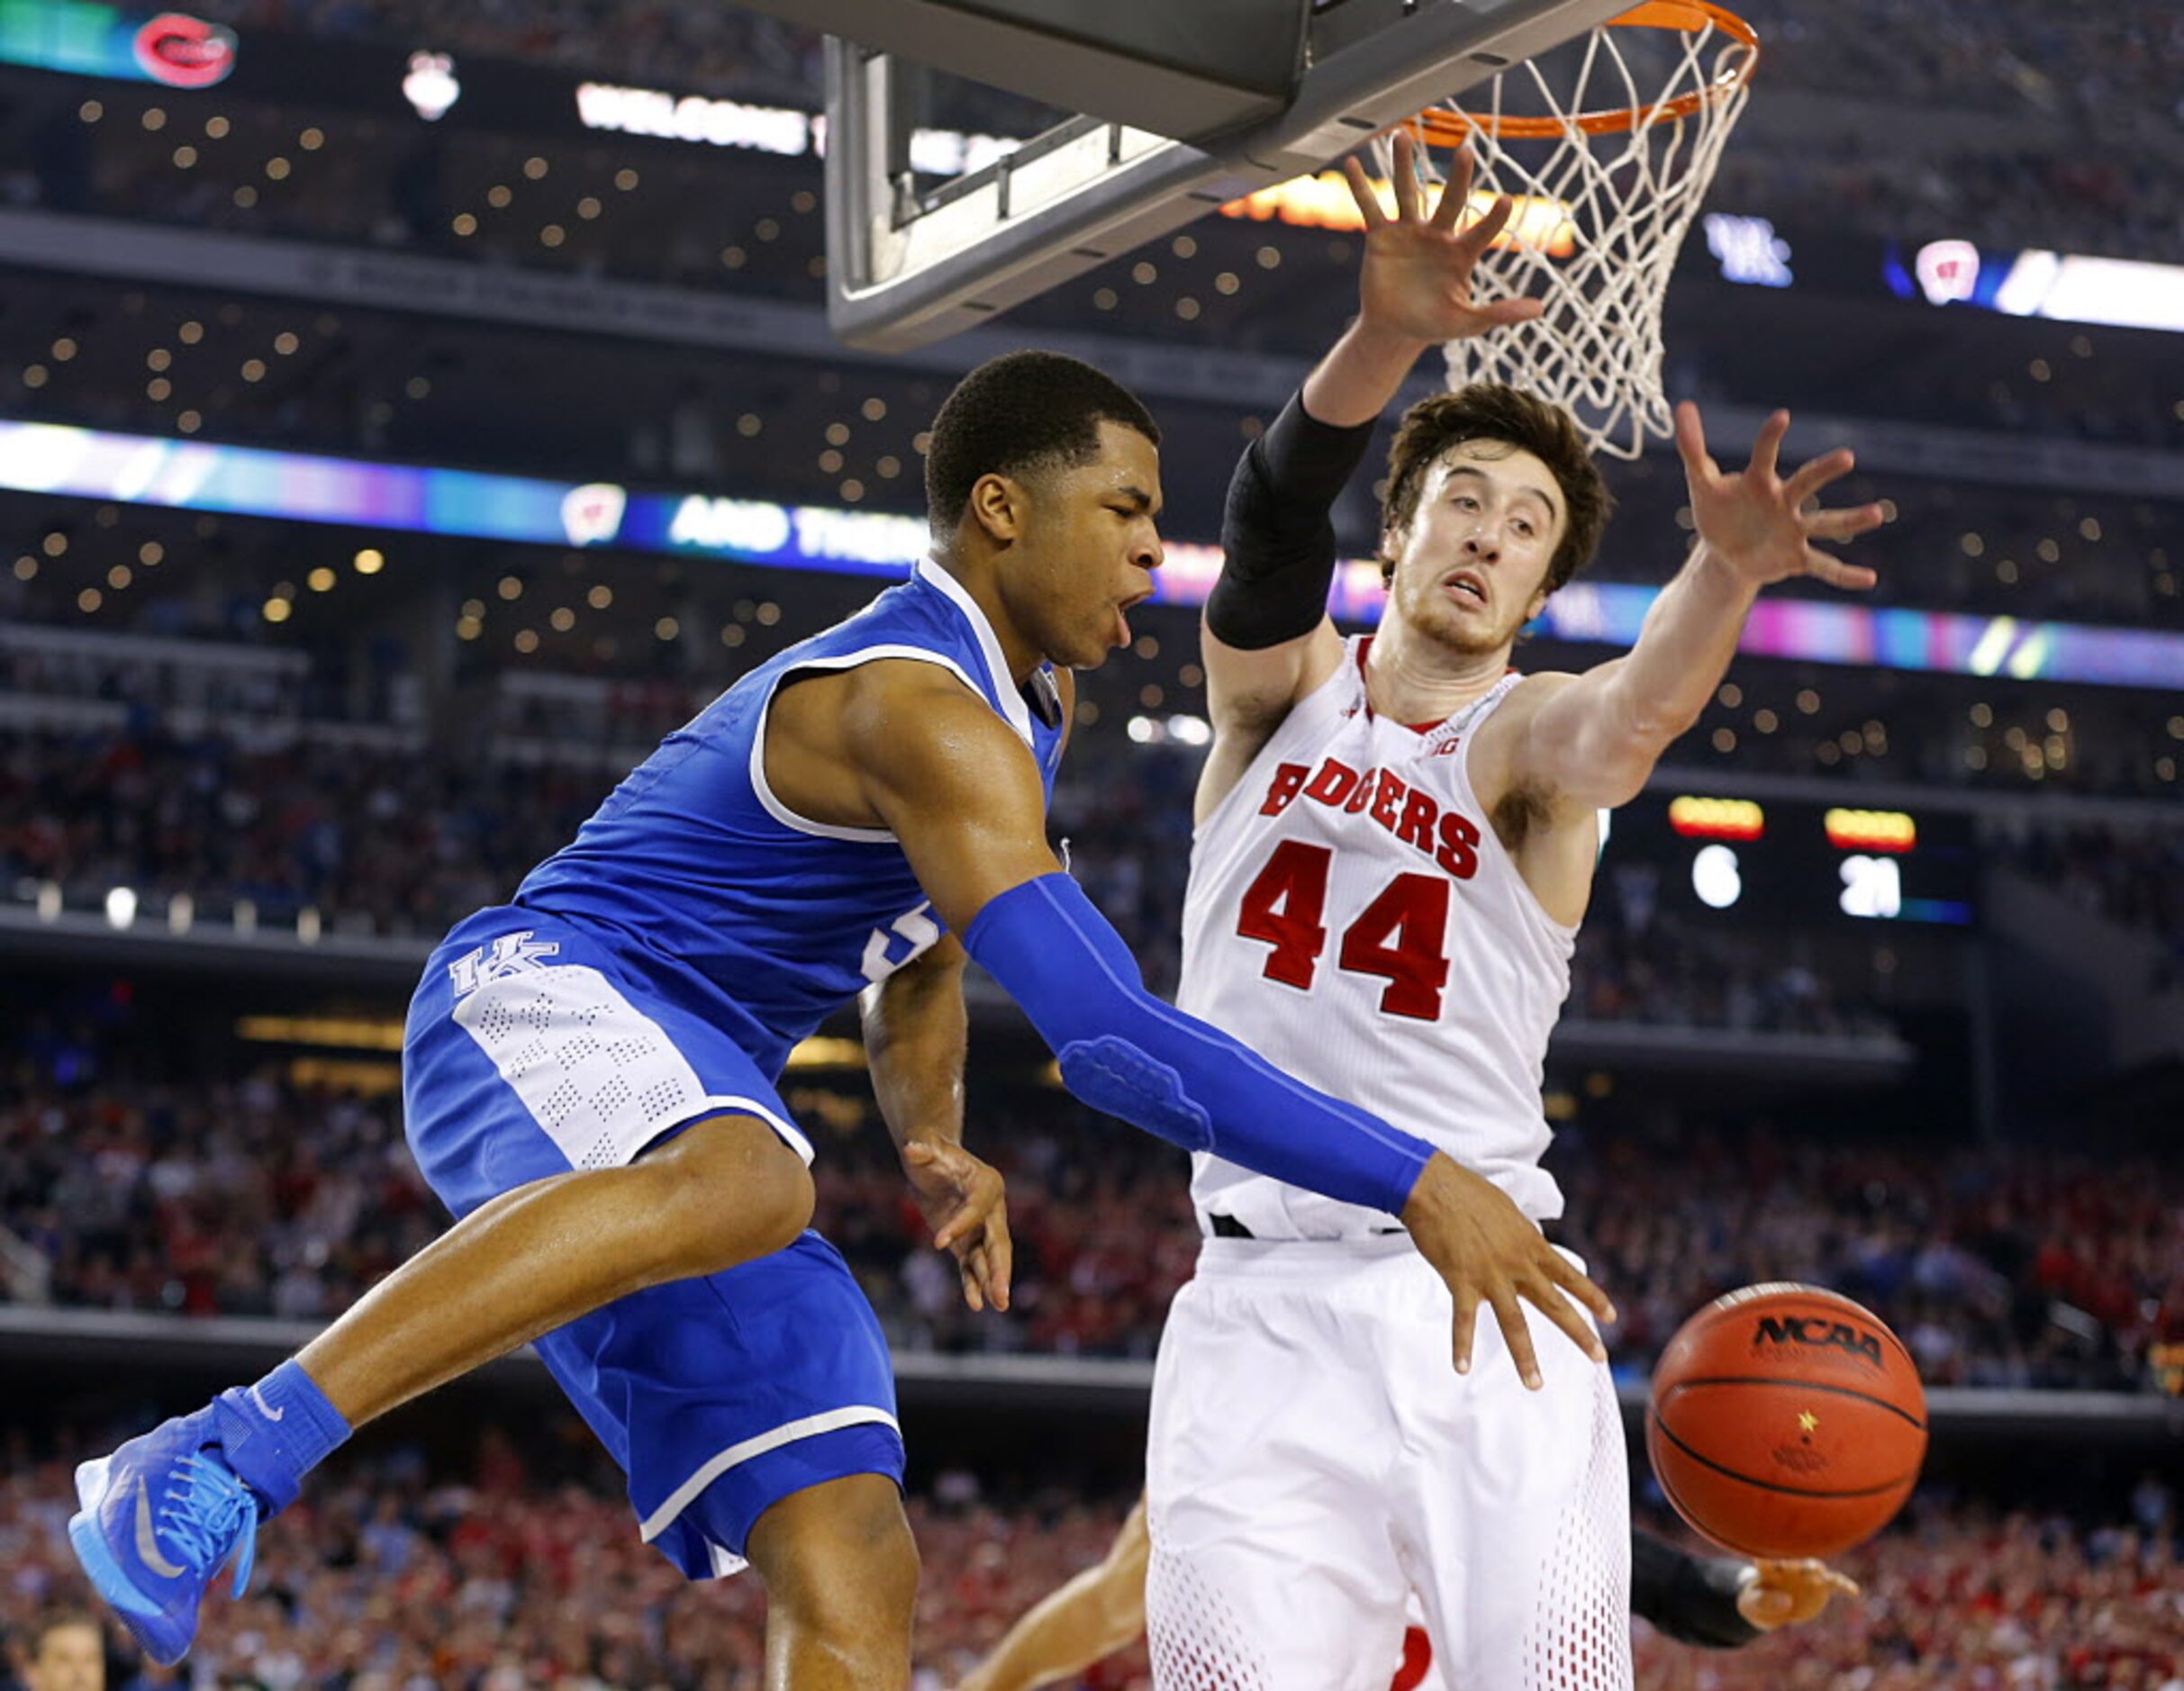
{"x":903,"y":274}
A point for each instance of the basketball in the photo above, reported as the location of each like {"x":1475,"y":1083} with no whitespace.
{"x":1786,"y":1422}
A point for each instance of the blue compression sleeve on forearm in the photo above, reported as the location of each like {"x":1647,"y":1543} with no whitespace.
{"x":1123,"y":1051}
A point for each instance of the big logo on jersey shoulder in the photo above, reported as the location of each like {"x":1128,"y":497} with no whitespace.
{"x":511,"y":953}
{"x":1447,"y":836}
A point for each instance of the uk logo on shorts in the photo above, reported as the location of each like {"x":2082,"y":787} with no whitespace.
{"x":509,"y":954}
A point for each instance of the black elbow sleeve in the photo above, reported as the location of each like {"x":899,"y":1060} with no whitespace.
{"x":1691,"y":1599}
{"x":1278,"y":532}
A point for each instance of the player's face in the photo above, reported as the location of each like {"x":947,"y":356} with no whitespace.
{"x":1090,"y":546}
{"x":70,"y":1659}
{"x":1470,"y":565}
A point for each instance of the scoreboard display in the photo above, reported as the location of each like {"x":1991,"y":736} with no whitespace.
{"x":1754,"y":858}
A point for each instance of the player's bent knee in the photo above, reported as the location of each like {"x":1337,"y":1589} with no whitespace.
{"x":841,"y":1567}
{"x":727,"y":1189}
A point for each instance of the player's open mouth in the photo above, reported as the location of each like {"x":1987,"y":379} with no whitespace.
{"x":1122,"y":621}
{"x":1468,"y":589}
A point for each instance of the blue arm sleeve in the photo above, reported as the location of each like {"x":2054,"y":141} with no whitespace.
{"x":1123,"y":1051}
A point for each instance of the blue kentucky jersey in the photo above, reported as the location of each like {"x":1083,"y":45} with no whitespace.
{"x":757,"y":919}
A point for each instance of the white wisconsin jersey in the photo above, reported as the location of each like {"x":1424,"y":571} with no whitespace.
{"x":1352,"y":917}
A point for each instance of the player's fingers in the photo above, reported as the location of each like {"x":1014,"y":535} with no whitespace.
{"x":1503,"y":313}
{"x":1835,"y":573}
{"x":1810,"y":478}
{"x":1001,"y":1258}
{"x":1841,"y":522}
{"x":1691,"y":443}
{"x":972,"y":1267}
{"x":1767,"y":451}
{"x":1508,"y":1312}
{"x":1467,"y":1325}
{"x":962,"y":1224}
{"x":1482,"y":234}
{"x":1362,"y":190}
{"x":1552,"y":1302}
{"x":1843,"y":1585}
{"x":1455,"y":192}
{"x":1408,"y":204}
{"x":1571,"y":1280}
{"x":982,"y":1193}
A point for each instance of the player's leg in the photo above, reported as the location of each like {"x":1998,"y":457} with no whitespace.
{"x":841,"y":1587}
{"x":1516,"y":1513}
{"x":1091,"y":1616}
{"x":722,"y":1191}
{"x":595,"y":1140}
{"x":1272,"y":1563}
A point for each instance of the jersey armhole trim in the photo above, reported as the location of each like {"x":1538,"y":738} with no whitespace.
{"x":765,"y":795}
{"x":1013,"y":709}
{"x":1564,"y":933}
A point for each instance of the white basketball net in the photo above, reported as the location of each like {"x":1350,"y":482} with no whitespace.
{"x":1601,"y":213}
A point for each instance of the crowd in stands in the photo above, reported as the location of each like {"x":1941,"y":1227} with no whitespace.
{"x":1998,"y":1266}
{"x":2133,"y":877}
{"x":2017,"y":58}
{"x":752,"y":227}
{"x":386,"y":1577}
{"x":386,"y":841}
{"x":2089,"y":94}
{"x":383,"y":1579}
{"x":271,"y":1196}
{"x":2082,"y":170}
{"x":1963,"y":1599}
{"x":262,"y":1197}
{"x":1990,"y":549}
{"x":393,"y":843}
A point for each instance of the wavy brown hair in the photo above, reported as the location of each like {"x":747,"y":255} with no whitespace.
{"x":1492,"y":411}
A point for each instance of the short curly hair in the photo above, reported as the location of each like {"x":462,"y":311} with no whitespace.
{"x":1023,"y":411}
{"x":1489,"y":411}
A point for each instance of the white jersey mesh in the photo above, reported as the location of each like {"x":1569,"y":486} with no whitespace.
{"x":1192,"y":1636}
{"x":1352,"y":914}
{"x":1580,"y":1636}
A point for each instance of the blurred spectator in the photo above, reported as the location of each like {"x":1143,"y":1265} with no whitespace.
{"x":68,"y":1652}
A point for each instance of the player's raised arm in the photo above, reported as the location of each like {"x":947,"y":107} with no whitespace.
{"x":1267,"y":640}
{"x":1594,"y":739}
{"x":963,"y":797}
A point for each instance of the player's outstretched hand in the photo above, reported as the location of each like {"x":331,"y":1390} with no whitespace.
{"x":1786,"y":1593}
{"x":1417,"y":279}
{"x":966,"y":1205}
{"x":1761,"y":526}
{"x":1489,"y":1252}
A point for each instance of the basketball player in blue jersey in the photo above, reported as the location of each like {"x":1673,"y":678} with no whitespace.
{"x":589,"y":1075}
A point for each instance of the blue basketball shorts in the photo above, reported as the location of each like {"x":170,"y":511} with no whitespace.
{"x":533,"y":1049}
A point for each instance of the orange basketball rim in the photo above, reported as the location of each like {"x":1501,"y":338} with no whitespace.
{"x":1444,"y":126}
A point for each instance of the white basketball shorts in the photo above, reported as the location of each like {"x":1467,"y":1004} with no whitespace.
{"x":1315,"y":1458}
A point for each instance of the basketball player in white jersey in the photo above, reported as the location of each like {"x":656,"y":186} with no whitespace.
{"x":1395,"y":843}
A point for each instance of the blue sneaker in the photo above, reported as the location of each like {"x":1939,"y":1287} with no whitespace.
{"x":160,"y":1517}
